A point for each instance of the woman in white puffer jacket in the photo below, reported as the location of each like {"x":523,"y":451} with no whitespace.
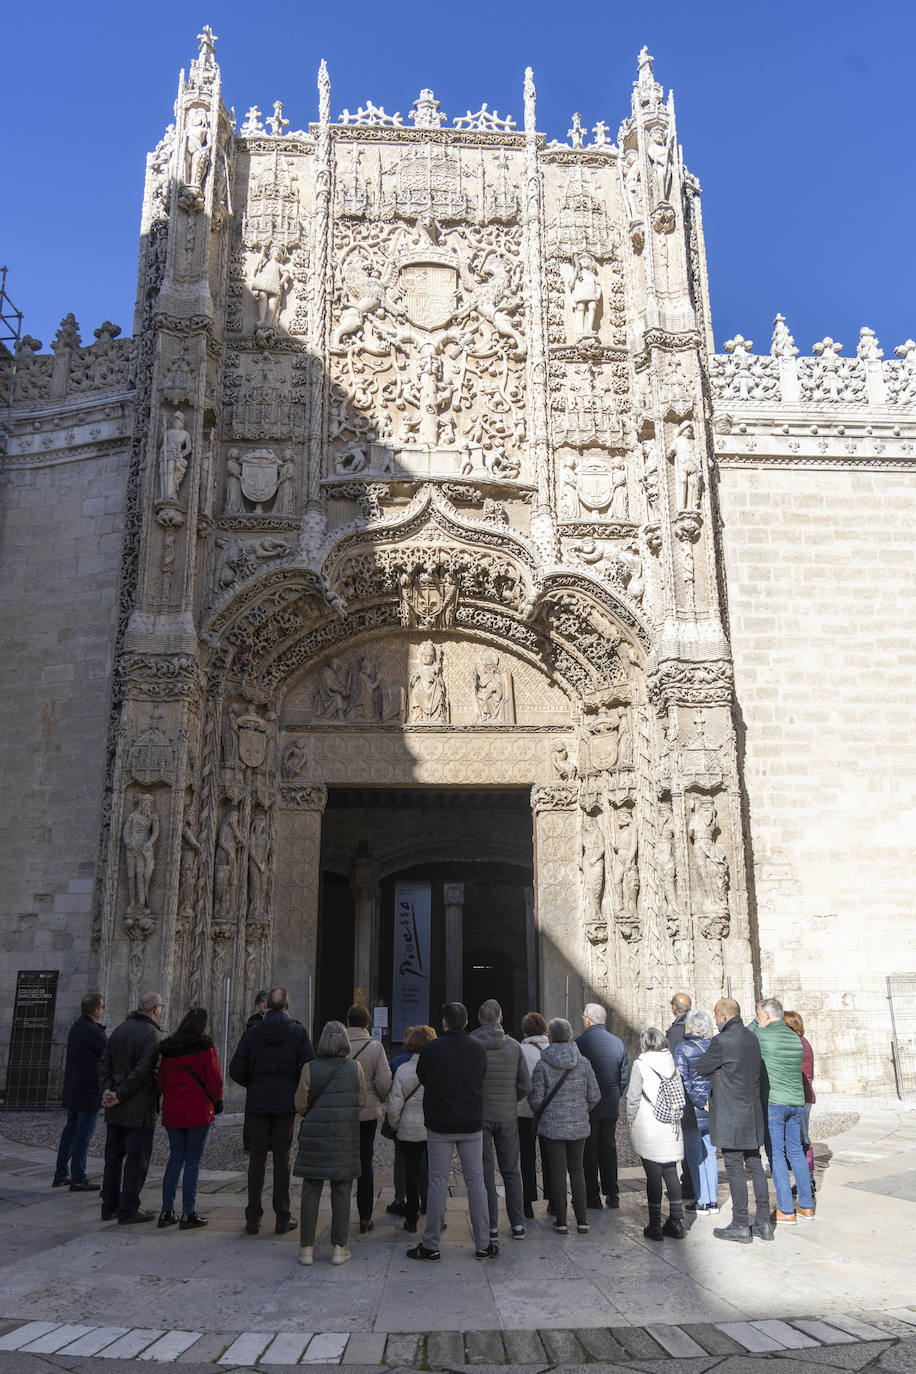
{"x":659,"y":1144}
{"x":405,"y":1114}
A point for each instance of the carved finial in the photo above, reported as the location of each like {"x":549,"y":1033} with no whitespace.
{"x":68,"y":334}
{"x":426,"y":113}
{"x":206,"y":55}
{"x":601,"y":131}
{"x":868,"y":350}
{"x":575,"y":133}
{"x":107,"y":332}
{"x":645,"y":60}
{"x":529,"y":101}
{"x":739,"y":344}
{"x":252,"y":123}
{"x":277,"y":123}
{"x":324,"y":94}
{"x":907,"y":351}
{"x":783,"y":345}
{"x":828,"y":346}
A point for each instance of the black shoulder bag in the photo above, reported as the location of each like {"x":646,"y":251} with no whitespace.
{"x":550,"y":1096}
{"x":217,"y":1101}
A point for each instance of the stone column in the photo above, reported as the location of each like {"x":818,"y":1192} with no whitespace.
{"x":453,"y":897}
{"x":363,"y":885}
{"x":561,"y":938}
{"x":298,"y":874}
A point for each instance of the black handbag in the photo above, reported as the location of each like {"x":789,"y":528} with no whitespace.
{"x":217,"y":1101}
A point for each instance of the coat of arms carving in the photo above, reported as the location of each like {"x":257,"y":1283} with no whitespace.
{"x":252,"y":732}
{"x":260,"y":477}
{"x":429,"y":292}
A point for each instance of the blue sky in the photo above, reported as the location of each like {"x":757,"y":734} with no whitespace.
{"x":796,"y":117}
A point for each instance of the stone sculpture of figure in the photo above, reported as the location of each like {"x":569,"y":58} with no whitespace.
{"x":624,"y":738}
{"x":366,"y":703}
{"x":174,"y":456}
{"x":283,"y":505}
{"x":632,"y":561}
{"x":711,"y":861}
{"x":686,"y":467}
{"x":295,"y":757}
{"x":632,"y":185}
{"x":618,"y":475}
{"x":233,"y":483}
{"x":426,"y":696}
{"x":270,"y":282}
{"x":650,"y":478}
{"x":659,"y":151}
{"x":226,"y":866}
{"x":493,"y":296}
{"x":197,"y":147}
{"x":140,"y":833}
{"x":666,"y":871}
{"x":332,"y":692}
{"x":569,"y":497}
{"x":492,"y":691}
{"x":562,"y":764}
{"x":585,"y":295}
{"x":625,"y":869}
{"x":190,"y":858}
{"x":592,"y":864}
{"x":258,"y":860}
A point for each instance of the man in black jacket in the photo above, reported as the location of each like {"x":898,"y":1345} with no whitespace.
{"x":131,"y":1101}
{"x":82,"y":1095}
{"x":268,"y":1062}
{"x":452,"y":1070}
{"x":732,"y":1065}
{"x":608,"y":1058}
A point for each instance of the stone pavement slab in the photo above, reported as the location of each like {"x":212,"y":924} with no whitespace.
{"x":443,"y":1349}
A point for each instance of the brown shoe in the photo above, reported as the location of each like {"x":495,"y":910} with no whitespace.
{"x":806,"y":1213}
{"x":783,"y":1218}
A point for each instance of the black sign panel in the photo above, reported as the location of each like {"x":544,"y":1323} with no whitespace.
{"x":30,"y":1042}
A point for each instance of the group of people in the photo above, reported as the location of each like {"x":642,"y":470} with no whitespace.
{"x":708,"y":1082}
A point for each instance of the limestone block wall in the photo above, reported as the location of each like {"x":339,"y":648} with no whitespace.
{"x":60,"y":552}
{"x":820,"y":571}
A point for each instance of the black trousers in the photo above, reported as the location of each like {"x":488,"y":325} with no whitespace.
{"x":566,"y":1157}
{"x":601,"y":1160}
{"x":527,"y":1136}
{"x":736,"y":1161}
{"x":127,"y":1156}
{"x":656,"y":1174}
{"x":413,"y":1153}
{"x":365,"y":1184}
{"x":269,"y":1133}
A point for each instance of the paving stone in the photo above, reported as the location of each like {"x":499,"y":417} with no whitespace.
{"x":484,"y":1347}
{"x":788,"y":1336}
{"x":170,"y":1346}
{"x":675,"y":1341}
{"x":366,"y":1347}
{"x":207,"y":1349}
{"x":129,"y":1346}
{"x":403,"y":1349}
{"x":904,"y":1314}
{"x":900,"y":1359}
{"x":326,"y":1348}
{"x":561,"y":1347}
{"x":19,"y":1336}
{"x":286,"y":1348}
{"x":712,"y":1339}
{"x":94,"y":1340}
{"x":828,"y":1335}
{"x":443,"y":1348}
{"x":638,"y":1344}
{"x":861,"y":1330}
{"x":524,"y":1347}
{"x":859,"y":1355}
{"x":247,"y":1348}
{"x":50,"y":1341}
{"x":748,"y":1335}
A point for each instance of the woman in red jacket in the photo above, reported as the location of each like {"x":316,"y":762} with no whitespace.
{"x":192,"y":1091}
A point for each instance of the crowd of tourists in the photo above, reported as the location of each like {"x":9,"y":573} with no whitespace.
{"x":708,"y":1083}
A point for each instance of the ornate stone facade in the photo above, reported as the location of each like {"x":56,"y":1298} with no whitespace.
{"x":420,"y":466}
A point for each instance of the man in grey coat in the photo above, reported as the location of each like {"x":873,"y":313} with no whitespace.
{"x":127,"y":1077}
{"x":507,"y":1081}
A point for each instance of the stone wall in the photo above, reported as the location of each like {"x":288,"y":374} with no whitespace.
{"x":822,"y":601}
{"x":60,"y":550}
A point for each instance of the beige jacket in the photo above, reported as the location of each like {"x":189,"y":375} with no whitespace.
{"x":372,"y":1059}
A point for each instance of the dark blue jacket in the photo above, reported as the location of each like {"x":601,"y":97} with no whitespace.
{"x":268,"y":1062}
{"x":695,"y":1085}
{"x":452,"y":1070}
{"x":608,"y":1058}
{"x":85,"y":1047}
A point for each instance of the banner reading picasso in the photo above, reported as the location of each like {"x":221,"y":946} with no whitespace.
{"x":410,"y":1000}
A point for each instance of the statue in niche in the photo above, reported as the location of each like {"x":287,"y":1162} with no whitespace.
{"x":493,"y":700}
{"x":649,"y":478}
{"x":632,"y":185}
{"x":561,"y":763}
{"x":284,"y":503}
{"x":659,"y":151}
{"x":258,"y":860}
{"x":426,"y":695}
{"x":592,"y":863}
{"x":366,"y":702}
{"x":233,"y":483}
{"x":174,"y":456}
{"x":332,"y":691}
{"x":569,"y":496}
{"x":624,"y":738}
{"x":270,"y":282}
{"x":618,"y":475}
{"x":295,"y":757}
{"x":226,"y":867}
{"x":631,"y":560}
{"x":625,"y":872}
{"x":585,"y":294}
{"x":187,"y":878}
{"x":711,"y":861}
{"x":140,"y":833}
{"x":686,"y":467}
{"x":197,"y":147}
{"x":666,"y":871}
{"x":230,"y":740}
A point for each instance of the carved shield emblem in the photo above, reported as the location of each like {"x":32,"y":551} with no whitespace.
{"x":429,"y":293}
{"x":260,"y":476}
{"x":252,"y":740}
{"x":152,"y":758}
{"x":593,"y":483}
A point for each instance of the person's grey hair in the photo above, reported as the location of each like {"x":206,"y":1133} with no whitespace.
{"x":652,"y":1039}
{"x":490,"y":1012}
{"x":277,"y":1000}
{"x":773,"y":1007}
{"x":559,"y":1032}
{"x":334,"y":1042}
{"x":700,"y":1022}
{"x":595,"y":1013}
{"x":150,"y":1001}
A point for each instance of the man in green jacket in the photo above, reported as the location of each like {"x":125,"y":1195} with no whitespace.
{"x":784,"y":1098}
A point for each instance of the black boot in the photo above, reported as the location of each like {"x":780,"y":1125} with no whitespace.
{"x":674,"y":1227}
{"x":190,"y":1221}
{"x":654,"y":1230}
{"x":762,"y":1228}
{"x":166,"y":1219}
{"x":733,"y":1231}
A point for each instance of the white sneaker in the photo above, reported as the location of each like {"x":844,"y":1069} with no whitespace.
{"x":339,"y":1254}
{"x":306,"y":1255}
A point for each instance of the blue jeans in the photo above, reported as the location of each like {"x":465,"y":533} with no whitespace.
{"x":700,"y":1154}
{"x":785,"y":1125}
{"x":186,"y":1144}
{"x":74,"y":1145}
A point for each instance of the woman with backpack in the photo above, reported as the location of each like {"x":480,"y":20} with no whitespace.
{"x":563,"y":1091}
{"x":191,"y":1085}
{"x":330,"y":1096}
{"x":655,"y":1105}
{"x":405,"y":1116}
